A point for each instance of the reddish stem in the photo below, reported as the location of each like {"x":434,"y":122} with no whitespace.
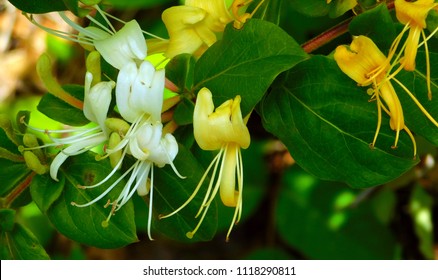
{"x":19,"y":189}
{"x":332,"y":33}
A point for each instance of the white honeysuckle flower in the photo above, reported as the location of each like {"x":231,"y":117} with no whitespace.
{"x":97,"y":100}
{"x":116,"y":47}
{"x":139,"y":91}
{"x":145,"y":142}
{"x":139,"y":99}
{"x":126,"y":45}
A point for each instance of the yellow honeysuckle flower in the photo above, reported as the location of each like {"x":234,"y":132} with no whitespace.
{"x":413,"y":15}
{"x":367,"y":65}
{"x":192,"y":26}
{"x":225,"y":130}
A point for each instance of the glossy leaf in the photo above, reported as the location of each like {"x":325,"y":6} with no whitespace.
{"x":45,"y":191}
{"x":321,"y":220}
{"x":16,"y":241}
{"x":245,"y":62}
{"x":59,"y":110}
{"x":39,"y":6}
{"x":171,"y":192}
{"x":327,"y":123}
{"x":416,"y":83}
{"x":183,"y":113}
{"x":270,"y":10}
{"x":12,"y":173}
{"x":179,"y":70}
{"x":137,"y":3}
{"x":376,"y":24}
{"x":85,"y":224}
{"x":312,"y":8}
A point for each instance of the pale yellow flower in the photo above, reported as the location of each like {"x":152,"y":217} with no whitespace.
{"x":225,"y":130}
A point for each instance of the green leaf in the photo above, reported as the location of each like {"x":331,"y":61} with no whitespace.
{"x":7,"y":219}
{"x":340,"y":7}
{"x":171,"y":192}
{"x":8,"y":139}
{"x":376,"y":24}
{"x":73,"y":6}
{"x":416,"y":83}
{"x":246,"y":61}
{"x":327,"y":123}
{"x":420,"y":208}
{"x":12,"y":173}
{"x":137,"y":3}
{"x":60,"y":111}
{"x":84,"y":224}
{"x":45,"y":191}
{"x":16,"y":241}
{"x":183,"y":113}
{"x":270,"y":10}
{"x":179,"y":70}
{"x":39,"y":6}
{"x":322,"y":220}
{"x":312,"y":8}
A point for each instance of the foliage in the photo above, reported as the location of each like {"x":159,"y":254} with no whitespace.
{"x":337,"y":201}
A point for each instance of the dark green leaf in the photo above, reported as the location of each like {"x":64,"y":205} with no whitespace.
{"x":12,"y":173}
{"x":39,"y":6}
{"x":246,"y":62}
{"x":312,"y":8}
{"x":8,"y":140}
{"x":122,"y":4}
{"x":16,"y":241}
{"x":60,"y":111}
{"x":73,"y":6}
{"x":340,"y":7}
{"x":180,"y":71}
{"x":45,"y":191}
{"x":416,"y":83}
{"x":7,"y":219}
{"x":327,"y":123}
{"x":270,"y":10}
{"x":84,"y":224}
{"x":321,"y":220}
{"x":171,"y":192}
{"x":183,"y":114}
{"x":376,"y":24}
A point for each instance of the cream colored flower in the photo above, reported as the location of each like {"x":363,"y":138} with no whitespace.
{"x":222,"y":129}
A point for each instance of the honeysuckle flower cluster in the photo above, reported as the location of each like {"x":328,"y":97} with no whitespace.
{"x":139,"y":132}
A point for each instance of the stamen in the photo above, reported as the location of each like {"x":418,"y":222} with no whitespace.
{"x":196,"y":189}
{"x":110,"y":174}
{"x":425,"y":112}
{"x":113,"y":30}
{"x":124,"y":22}
{"x":151,"y":199}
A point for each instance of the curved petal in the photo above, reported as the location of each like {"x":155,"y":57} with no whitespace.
{"x":97,"y":100}
{"x":125,"y":81}
{"x":126,"y":45}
